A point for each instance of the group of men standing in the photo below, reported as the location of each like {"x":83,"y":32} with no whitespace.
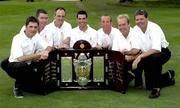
{"x":144,"y":46}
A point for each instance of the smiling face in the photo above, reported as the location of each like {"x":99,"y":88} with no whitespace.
{"x":141,"y":22}
{"x":106,"y":24}
{"x":123,"y":26}
{"x":82,"y":20}
{"x":31,"y":29}
{"x":43,"y":20}
{"x":59,"y":17}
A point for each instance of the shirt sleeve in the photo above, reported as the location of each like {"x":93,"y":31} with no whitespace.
{"x":115,"y":45}
{"x":99,"y":38}
{"x":16,"y":49}
{"x":134,"y":40}
{"x":67,"y":31}
{"x":94,"y":38}
{"x":41,"y":44}
{"x":120,"y":44}
{"x":22,"y":29}
{"x":156,"y":38}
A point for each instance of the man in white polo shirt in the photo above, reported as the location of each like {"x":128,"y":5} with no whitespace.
{"x":59,"y":29}
{"x":23,"y":51}
{"x":83,"y":31}
{"x":128,"y":44}
{"x":154,"y":54}
{"x":42,"y":17}
{"x":107,"y":33}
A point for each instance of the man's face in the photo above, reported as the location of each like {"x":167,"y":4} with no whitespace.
{"x":123,"y":25}
{"x":82,"y":20}
{"x":31,"y":29}
{"x":106,"y":23}
{"x":59,"y":17}
{"x":43,"y":19}
{"x":141,"y":21}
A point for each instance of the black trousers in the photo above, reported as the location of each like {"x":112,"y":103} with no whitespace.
{"x":152,"y":67}
{"x":26,"y":76}
{"x":137,"y":73}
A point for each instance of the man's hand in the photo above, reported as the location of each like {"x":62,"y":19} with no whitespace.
{"x":124,"y":51}
{"x":66,"y":46}
{"x":98,"y":46}
{"x":105,"y":46}
{"x":61,"y":46}
{"x":43,"y":55}
{"x":129,"y":58}
{"x":135,"y":62}
{"x":57,"y":46}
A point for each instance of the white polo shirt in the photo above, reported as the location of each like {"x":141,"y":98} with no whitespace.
{"x":132,"y":41}
{"x":120,"y":43}
{"x":153,"y":38}
{"x":107,"y":39}
{"x":89,"y":35}
{"x":22,"y":29}
{"x":59,"y":34}
{"x":43,"y":34}
{"x":22,"y":45}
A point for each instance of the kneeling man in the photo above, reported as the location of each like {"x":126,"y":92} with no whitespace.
{"x":26,"y":47}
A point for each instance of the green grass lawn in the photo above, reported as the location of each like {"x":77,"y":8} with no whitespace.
{"x":12,"y":17}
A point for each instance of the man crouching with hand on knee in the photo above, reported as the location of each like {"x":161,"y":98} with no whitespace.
{"x":26,"y":47}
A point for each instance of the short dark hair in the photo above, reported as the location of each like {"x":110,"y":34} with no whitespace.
{"x":40,"y":11}
{"x":59,"y":8}
{"x":141,"y":12}
{"x":31,"y":19}
{"x":81,"y":12}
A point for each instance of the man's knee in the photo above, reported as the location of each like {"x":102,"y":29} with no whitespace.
{"x":154,"y":59}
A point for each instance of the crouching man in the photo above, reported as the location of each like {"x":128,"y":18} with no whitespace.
{"x":26,"y":48}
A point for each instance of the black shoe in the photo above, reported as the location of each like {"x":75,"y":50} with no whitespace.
{"x":155,"y":93}
{"x":171,"y":76}
{"x":171,"y":73}
{"x":18,"y":93}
